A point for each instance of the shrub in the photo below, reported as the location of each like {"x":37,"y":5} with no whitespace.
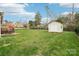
{"x":7,"y":29}
{"x":77,"y":30}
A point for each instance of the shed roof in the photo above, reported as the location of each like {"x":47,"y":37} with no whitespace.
{"x":53,"y":21}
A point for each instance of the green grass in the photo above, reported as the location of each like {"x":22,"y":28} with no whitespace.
{"x":39,"y":42}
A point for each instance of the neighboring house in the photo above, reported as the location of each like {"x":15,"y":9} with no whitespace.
{"x":19,"y":25}
{"x":54,"y":26}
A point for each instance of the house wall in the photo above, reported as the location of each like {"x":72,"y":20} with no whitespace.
{"x":55,"y":27}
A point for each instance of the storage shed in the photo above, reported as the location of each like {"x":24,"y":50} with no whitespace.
{"x":55,"y":27}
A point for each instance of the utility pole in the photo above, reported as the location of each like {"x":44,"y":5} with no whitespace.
{"x":47,"y":10}
{"x":72,"y":15}
{"x":72,"y":22}
{"x":49,"y":14}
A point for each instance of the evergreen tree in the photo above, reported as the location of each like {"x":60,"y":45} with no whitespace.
{"x":37,"y":19}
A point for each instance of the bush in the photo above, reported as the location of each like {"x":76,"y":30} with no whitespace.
{"x":77,"y":30}
{"x":7,"y":29}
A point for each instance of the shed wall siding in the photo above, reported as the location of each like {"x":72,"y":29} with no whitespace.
{"x":55,"y":27}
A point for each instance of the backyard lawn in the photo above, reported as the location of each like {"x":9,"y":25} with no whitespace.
{"x":39,"y":43}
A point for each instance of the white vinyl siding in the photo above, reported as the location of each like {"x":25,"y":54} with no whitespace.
{"x":55,"y":27}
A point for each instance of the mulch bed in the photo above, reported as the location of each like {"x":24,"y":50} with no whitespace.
{"x":9,"y":34}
